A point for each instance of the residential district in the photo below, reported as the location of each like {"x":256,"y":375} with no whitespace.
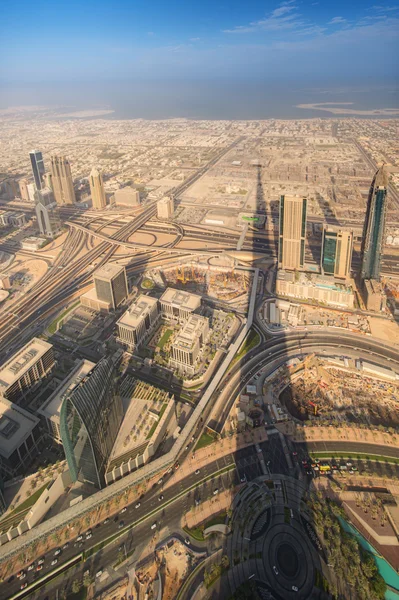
{"x":199,"y":358}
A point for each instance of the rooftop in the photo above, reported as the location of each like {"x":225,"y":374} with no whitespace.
{"x":181,"y":299}
{"x":15,"y":425}
{"x":22,"y":361}
{"x":315,"y":280}
{"x":109,"y":271}
{"x":52,"y":406}
{"x":190,"y":331}
{"x":137,"y":311}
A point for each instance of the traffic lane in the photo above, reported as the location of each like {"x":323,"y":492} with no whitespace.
{"x":356,"y":447}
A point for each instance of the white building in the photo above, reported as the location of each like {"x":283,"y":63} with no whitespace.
{"x":179,"y":305}
{"x":314,"y":287}
{"x":187,"y":344}
{"x":127,"y":196}
{"x":165,"y":208}
{"x":138,"y":321}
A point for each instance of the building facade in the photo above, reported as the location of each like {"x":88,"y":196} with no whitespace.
{"x":374,"y":227}
{"x":292,"y":232}
{"x":317,"y":288}
{"x":97,"y":191}
{"x":47,"y":214}
{"x":336,"y":252}
{"x":179,"y":305}
{"x":38,"y":170}
{"x":374,"y":296}
{"x":61,"y":180}
{"x":23,"y":189}
{"x":90,"y":419}
{"x":110,"y":283}
{"x":26,"y":369}
{"x":127,"y":196}
{"x":166,"y":208}
{"x":136,"y":324}
{"x":188,"y":343}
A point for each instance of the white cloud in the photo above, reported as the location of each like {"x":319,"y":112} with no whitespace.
{"x":284,"y":17}
{"x":337,"y":20}
{"x":195,"y":39}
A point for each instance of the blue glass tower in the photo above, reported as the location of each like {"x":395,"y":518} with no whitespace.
{"x":374,"y":227}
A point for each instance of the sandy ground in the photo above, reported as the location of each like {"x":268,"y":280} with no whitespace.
{"x":143,"y":238}
{"x":177,"y":565}
{"x":199,"y":245}
{"x":384,"y":330}
{"x":54,"y":247}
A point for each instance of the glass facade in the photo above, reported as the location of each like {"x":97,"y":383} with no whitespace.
{"x":89,"y":423}
{"x":37,"y":163}
{"x":374,"y":226}
{"x":329,"y":252}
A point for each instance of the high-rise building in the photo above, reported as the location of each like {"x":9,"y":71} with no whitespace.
{"x":38,"y":170}
{"x":61,"y":180}
{"x":98,"y":197}
{"x":165,"y":208}
{"x":47,"y":214}
{"x":127,"y":196}
{"x":336,"y":252}
{"x":374,"y":227}
{"x":292,"y":232}
{"x":110,"y":283}
{"x":188,"y":343}
{"x":31,"y":187}
{"x":136,"y":324}
{"x":23,"y":189}
{"x":91,"y":415}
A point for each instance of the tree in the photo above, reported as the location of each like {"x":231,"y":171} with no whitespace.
{"x":87,"y":580}
{"x":76,"y":585}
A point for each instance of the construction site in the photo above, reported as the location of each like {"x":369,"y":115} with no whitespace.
{"x":333,"y":391}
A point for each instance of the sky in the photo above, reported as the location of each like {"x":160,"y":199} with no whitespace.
{"x":88,"y":40}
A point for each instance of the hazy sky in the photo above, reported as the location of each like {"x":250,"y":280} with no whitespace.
{"x":44,"y":41}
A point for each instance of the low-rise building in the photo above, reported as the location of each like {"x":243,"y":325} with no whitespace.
{"x":127,"y":196}
{"x":12,"y":219}
{"x":90,"y":300}
{"x":135,"y":325}
{"x":179,"y":305}
{"x":374,"y":296}
{"x":32,"y":243}
{"x":51,"y":408}
{"x":26,"y":369}
{"x":314,"y":287}
{"x":187,"y":344}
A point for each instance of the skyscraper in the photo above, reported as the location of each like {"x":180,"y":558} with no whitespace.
{"x":97,"y":189}
{"x":111,"y":284}
{"x":165,"y":207}
{"x":292,"y":232}
{"x":47,"y":214}
{"x":336,"y":252}
{"x":374,"y":227}
{"x":91,"y":415}
{"x":36,"y":160}
{"x":61,"y":179}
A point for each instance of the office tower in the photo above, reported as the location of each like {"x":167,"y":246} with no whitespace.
{"x":61,"y":180}
{"x":36,"y":160}
{"x":47,"y":214}
{"x":23,"y":189}
{"x":136,"y":324}
{"x":179,"y":305}
{"x":9,"y":189}
{"x":111,"y":284}
{"x":97,"y":189}
{"x":165,"y":208}
{"x":91,"y":415}
{"x":374,"y":227}
{"x":188,"y":343}
{"x":31,"y":191}
{"x":292,"y":232}
{"x":336,"y":252}
{"x":127,"y":196}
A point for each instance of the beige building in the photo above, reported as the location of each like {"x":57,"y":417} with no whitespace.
{"x":127,"y":196}
{"x":336,"y":252}
{"x":25,"y":369}
{"x":314,"y":287}
{"x":23,"y":189}
{"x":138,"y":321}
{"x":89,"y":300}
{"x":165,"y":208}
{"x":61,"y":180}
{"x":110,"y":283}
{"x":187,"y":344}
{"x":97,"y":191}
{"x":292,"y":232}
{"x":179,"y":305}
{"x":374,"y":296}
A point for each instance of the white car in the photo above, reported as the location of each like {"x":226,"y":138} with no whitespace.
{"x":57,"y":552}
{"x":54,"y":562}
{"x":275,"y":570}
{"x":197,"y":472}
{"x":99,"y":573}
{"x":294,"y":588}
{"x":88,"y":536}
{"x":153,"y":526}
{"x":31,"y":567}
{"x":79,"y":538}
{"x":123,"y":510}
{"x":138,"y":505}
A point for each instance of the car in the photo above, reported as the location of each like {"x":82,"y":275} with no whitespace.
{"x":124,"y":509}
{"x":177,"y":465}
{"x":294,"y":588}
{"x":187,"y":541}
{"x":65,"y":546}
{"x":98,"y":574}
{"x":31,"y":567}
{"x":153,"y":526}
{"x":105,"y":521}
{"x":121,"y":524}
{"x":88,"y":536}
{"x":197,"y":472}
{"x":39,"y":567}
{"x":138,"y":505}
{"x":215,"y":491}
{"x":57,"y":552}
{"x":275,"y":569}
{"x":24,"y":585}
{"x":160,"y":482}
{"x":40,"y":561}
{"x":22,"y":576}
{"x":54,"y":562}
{"x":160,"y":498}
{"x":295,"y":454}
{"x":243,"y":479}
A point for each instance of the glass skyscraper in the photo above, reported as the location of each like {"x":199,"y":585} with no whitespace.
{"x":36,"y":160}
{"x":91,"y":415}
{"x":336,"y":252}
{"x":374,"y":227}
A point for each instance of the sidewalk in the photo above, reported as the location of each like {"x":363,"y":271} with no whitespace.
{"x":207,"y":509}
{"x":333,"y":434}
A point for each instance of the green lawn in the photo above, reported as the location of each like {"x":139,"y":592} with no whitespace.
{"x":30,"y":501}
{"x":250,"y":342}
{"x":195,"y":532}
{"x":154,"y":426}
{"x":52,"y":328}
{"x":164,"y":338}
{"x":357,"y":455}
{"x":205,"y":440}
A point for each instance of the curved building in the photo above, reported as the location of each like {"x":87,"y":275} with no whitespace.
{"x":91,"y":415}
